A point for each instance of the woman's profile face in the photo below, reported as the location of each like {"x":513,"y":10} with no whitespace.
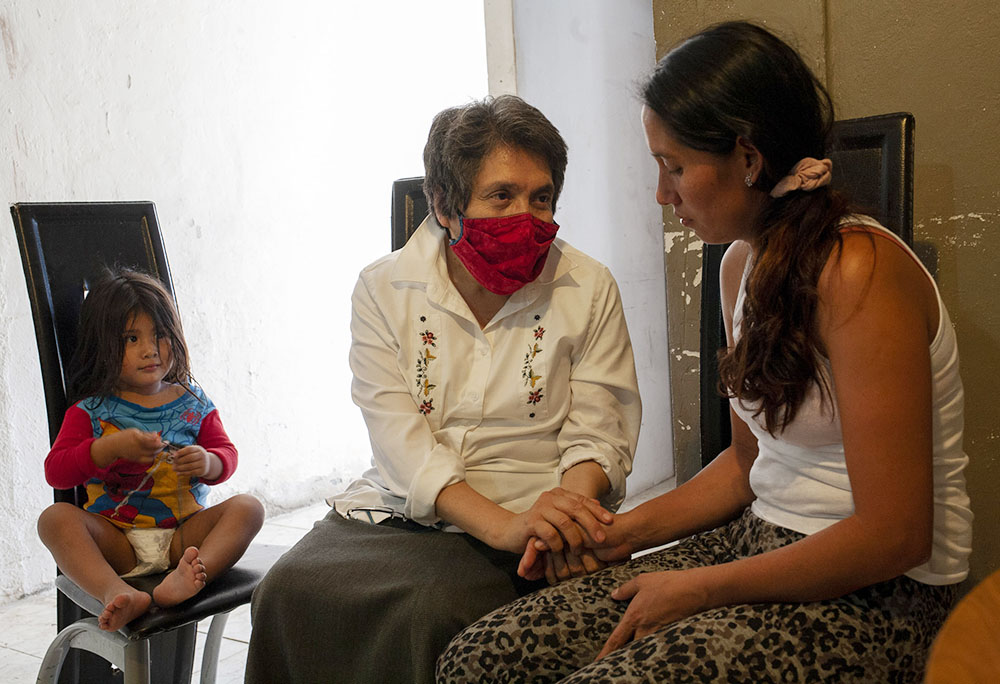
{"x":707,"y":191}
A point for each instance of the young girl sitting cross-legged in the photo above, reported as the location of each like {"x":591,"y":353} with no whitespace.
{"x":147,"y":442}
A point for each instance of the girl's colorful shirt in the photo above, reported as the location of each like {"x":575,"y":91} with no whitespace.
{"x":134,"y":494}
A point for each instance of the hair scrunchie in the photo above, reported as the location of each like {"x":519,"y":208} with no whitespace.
{"x":807,"y":175}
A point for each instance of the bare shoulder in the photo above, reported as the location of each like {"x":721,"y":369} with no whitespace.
{"x":870,"y":268}
{"x":730,"y":274}
{"x":732,"y":266}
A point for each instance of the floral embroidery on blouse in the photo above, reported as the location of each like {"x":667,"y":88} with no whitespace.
{"x":424,"y":385}
{"x":527,"y":369}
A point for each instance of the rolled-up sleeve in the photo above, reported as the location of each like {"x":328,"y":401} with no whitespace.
{"x":412,"y":464}
{"x":605,"y":410}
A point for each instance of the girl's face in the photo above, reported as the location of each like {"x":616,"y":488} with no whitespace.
{"x":147,"y":357}
{"x":707,"y":191}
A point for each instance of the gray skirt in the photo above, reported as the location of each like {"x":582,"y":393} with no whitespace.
{"x":354,"y":602}
{"x":878,"y":634}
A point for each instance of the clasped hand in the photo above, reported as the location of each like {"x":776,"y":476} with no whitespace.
{"x":574,"y":536}
{"x":569,"y":535}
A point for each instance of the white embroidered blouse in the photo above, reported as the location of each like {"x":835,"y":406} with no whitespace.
{"x":548,"y":383}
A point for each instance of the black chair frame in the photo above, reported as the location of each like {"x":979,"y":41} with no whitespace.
{"x":409,"y":208}
{"x":64,"y":247}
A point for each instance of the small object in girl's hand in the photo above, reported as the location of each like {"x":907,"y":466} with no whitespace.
{"x":169,"y":448}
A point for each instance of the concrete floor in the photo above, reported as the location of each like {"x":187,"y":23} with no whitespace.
{"x":31,"y":621}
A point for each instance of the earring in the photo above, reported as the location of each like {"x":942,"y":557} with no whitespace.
{"x":749,"y":181}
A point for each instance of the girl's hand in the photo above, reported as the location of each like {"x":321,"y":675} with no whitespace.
{"x":130,"y":444}
{"x":194,"y":461}
{"x":657,"y":599}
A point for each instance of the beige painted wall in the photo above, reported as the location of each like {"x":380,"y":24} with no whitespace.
{"x":939,"y":61}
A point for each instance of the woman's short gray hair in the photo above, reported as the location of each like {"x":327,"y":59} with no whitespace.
{"x":462,"y":137}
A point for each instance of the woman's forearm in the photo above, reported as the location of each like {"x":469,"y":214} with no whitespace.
{"x":714,"y":496}
{"x":586,"y":478}
{"x":842,"y":558}
{"x":461,"y":505}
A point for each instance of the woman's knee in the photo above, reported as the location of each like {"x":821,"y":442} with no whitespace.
{"x":288,"y":586}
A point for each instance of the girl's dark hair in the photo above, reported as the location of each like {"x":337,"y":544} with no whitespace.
{"x":462,"y":137}
{"x":735,"y":80}
{"x":114,"y":300}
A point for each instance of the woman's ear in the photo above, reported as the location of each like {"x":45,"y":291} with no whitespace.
{"x":449,"y":223}
{"x":751,"y":158}
{"x":443,"y":220}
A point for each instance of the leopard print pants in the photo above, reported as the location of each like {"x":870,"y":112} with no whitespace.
{"x":878,"y":634}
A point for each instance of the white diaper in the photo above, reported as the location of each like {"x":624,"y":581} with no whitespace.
{"x":152,"y":549}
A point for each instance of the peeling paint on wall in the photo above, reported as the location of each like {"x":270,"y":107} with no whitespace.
{"x":670,"y":238}
{"x":965,"y":238}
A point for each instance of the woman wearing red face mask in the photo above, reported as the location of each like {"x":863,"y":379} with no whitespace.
{"x":493,"y":367}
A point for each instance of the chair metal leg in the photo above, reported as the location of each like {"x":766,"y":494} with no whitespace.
{"x":173,"y":653}
{"x":213,"y":643}
{"x":137,"y":662}
{"x":131,"y":657}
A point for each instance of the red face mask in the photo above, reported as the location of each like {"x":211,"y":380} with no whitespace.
{"x":504,"y":253}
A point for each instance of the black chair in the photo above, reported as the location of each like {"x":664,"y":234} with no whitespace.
{"x":409,"y":208}
{"x":873,"y":164}
{"x":63,"y":248}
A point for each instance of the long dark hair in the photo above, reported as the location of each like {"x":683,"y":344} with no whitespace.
{"x":114,"y":300}
{"x":735,"y":80}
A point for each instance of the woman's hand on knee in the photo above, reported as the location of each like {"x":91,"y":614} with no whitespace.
{"x":656,"y":599}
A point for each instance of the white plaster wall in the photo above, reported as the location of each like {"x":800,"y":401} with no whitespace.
{"x":579,"y":62}
{"x":268,"y":134}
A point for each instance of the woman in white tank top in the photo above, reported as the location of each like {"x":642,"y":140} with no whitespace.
{"x":825,"y":542}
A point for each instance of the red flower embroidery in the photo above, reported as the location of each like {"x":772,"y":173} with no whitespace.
{"x":528,"y":367}
{"x":424,"y":385}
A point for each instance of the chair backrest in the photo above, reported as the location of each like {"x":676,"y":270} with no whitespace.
{"x":409,"y":208}
{"x":64,"y":247}
{"x":873,"y":165}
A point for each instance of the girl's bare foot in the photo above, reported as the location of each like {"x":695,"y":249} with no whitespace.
{"x":186,"y":580}
{"x":123,"y":608}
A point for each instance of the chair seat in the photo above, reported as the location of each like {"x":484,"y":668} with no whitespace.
{"x":230,"y":590}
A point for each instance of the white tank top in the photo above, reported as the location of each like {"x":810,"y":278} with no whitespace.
{"x":800,"y":475}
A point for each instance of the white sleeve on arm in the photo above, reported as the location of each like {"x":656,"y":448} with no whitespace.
{"x":411,"y":462}
{"x":605,"y":410}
